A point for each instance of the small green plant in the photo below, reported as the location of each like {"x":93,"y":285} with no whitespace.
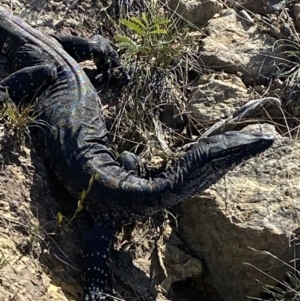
{"x":159,"y":54}
{"x":17,"y":120}
{"x":84,"y":193}
{"x":150,"y":37}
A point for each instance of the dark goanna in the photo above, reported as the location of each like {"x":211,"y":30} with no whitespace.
{"x":77,"y":147}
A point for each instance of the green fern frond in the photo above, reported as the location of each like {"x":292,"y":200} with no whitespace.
{"x":144,"y":18}
{"x":151,"y":37}
{"x":133,"y":26}
{"x":158,"y":21}
{"x":126,"y":42}
{"x":158,"y":31}
{"x":144,"y":49}
{"x":140,"y":22}
{"x":128,"y":48}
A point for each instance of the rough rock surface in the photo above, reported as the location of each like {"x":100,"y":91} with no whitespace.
{"x":255,"y":206}
{"x":262,"y":7}
{"x":297,"y":16}
{"x":215,"y":98}
{"x":198,"y":12}
{"x":235,"y":45}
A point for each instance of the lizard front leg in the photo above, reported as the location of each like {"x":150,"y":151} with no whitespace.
{"x":96,"y":48}
{"x":35,"y":72}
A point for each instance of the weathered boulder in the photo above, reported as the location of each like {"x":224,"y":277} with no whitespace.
{"x":256,"y":111}
{"x":216,"y":98}
{"x":297,"y":16}
{"x":198,"y":12}
{"x":255,"y":206}
{"x":255,"y":6}
{"x":235,"y":45}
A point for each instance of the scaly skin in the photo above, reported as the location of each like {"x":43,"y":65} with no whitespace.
{"x":77,"y":147}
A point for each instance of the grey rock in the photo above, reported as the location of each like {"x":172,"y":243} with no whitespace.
{"x":255,"y":207}
{"x":235,"y":45}
{"x":216,"y":98}
{"x":198,"y":12}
